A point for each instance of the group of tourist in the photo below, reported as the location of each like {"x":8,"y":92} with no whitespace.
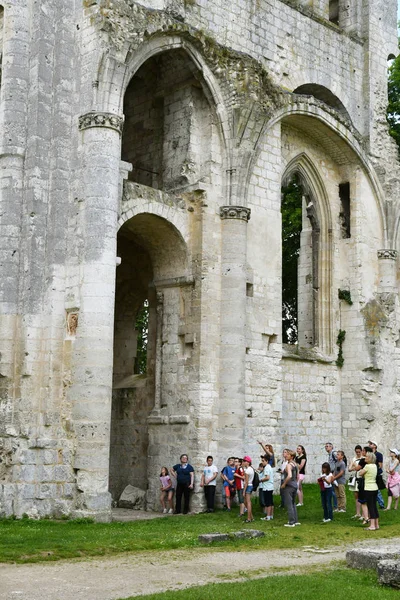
{"x":240,"y":478}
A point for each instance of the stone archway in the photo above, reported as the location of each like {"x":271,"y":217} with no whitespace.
{"x":153,"y":255}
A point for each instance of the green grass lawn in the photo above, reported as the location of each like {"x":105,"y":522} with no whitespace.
{"x":341,"y":584}
{"x":32,"y":541}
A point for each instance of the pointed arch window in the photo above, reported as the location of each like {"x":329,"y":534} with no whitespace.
{"x":306,"y":259}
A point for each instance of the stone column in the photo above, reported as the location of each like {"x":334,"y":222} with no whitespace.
{"x":387,"y":270}
{"x":92,"y":367}
{"x":231,"y":421}
{"x":13,"y":124}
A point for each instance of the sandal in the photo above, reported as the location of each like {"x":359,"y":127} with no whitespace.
{"x":371,"y":529}
{"x":365,"y":521}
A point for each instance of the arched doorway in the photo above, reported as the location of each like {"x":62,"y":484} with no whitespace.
{"x":153,"y":257}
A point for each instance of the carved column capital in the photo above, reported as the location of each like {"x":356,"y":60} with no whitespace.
{"x":101,"y":119}
{"x":387,"y":254}
{"x":235,"y":212}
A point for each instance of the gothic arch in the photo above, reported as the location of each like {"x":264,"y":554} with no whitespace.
{"x":319,"y":214}
{"x":344,"y":140}
{"x":113,"y":78}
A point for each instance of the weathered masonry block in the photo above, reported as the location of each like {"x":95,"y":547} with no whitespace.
{"x":198,"y":240}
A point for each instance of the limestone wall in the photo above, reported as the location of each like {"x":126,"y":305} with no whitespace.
{"x":211,"y":130}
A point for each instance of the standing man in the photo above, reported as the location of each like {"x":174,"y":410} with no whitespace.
{"x":339,"y":475}
{"x":379,"y":464}
{"x":184,"y":474}
{"x":209,"y":483}
{"x":332,"y":458}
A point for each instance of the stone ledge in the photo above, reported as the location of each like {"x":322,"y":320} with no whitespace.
{"x":209,"y":538}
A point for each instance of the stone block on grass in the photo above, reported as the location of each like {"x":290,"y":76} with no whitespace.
{"x":209,"y":538}
{"x":389,"y":572}
{"x":368,"y":558}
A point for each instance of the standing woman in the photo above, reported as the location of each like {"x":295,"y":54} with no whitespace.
{"x":184,"y":474}
{"x":289,"y":487}
{"x":301,"y":460}
{"x":248,"y":487}
{"x":369,"y":472}
{"x":325,"y":482}
{"x":393,"y":480}
{"x":268,"y":449}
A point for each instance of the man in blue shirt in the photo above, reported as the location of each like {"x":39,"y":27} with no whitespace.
{"x":184,"y":474}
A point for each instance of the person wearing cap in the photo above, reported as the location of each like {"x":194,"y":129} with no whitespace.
{"x":248,"y":486}
{"x":379,"y":464}
{"x":393,"y":480}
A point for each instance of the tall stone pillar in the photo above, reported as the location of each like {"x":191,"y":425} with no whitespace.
{"x":231,"y":421}
{"x":387,"y":270}
{"x":92,"y":366}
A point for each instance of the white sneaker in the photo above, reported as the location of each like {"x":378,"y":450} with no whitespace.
{"x":326,"y":520}
{"x":171,"y":511}
{"x":297,"y":523}
{"x":165,"y":511}
{"x":289,"y":525}
{"x":299,"y":504}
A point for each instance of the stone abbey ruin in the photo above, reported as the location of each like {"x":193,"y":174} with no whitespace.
{"x":224,"y":171}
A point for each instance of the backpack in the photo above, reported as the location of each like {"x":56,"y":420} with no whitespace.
{"x":256,"y":480}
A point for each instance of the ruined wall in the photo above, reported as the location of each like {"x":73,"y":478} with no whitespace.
{"x":211,"y":128}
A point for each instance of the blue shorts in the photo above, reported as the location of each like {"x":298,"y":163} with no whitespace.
{"x":249,"y":489}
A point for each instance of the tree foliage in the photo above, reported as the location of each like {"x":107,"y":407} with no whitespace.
{"x":291,"y":208}
{"x":142,"y":327}
{"x":393,"y":110}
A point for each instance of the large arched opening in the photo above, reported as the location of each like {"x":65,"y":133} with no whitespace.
{"x":172,"y":142}
{"x":153,"y":255}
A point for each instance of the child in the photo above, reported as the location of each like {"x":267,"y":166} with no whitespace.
{"x":209,"y":483}
{"x":227,"y":474}
{"x":248,"y":486}
{"x":239,"y":479}
{"x":267,"y":486}
{"x":325,"y":484}
{"x":167,"y":491}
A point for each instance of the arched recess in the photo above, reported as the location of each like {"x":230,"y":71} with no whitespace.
{"x":324,"y":94}
{"x":172,"y":134}
{"x":115,"y":77}
{"x":314,"y":294}
{"x":151,"y":282}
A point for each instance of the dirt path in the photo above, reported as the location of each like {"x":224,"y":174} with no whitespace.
{"x":134,"y":574}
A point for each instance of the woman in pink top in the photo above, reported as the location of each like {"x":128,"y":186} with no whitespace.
{"x":167,"y":491}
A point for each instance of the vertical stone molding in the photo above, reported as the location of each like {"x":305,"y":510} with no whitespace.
{"x":91,"y":391}
{"x":387,"y":270}
{"x":231,"y":421}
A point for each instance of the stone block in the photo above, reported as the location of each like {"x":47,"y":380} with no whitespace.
{"x":132,"y":497}
{"x":248,"y":533}
{"x":209,"y":538}
{"x":368,"y":558}
{"x":389,"y":572}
